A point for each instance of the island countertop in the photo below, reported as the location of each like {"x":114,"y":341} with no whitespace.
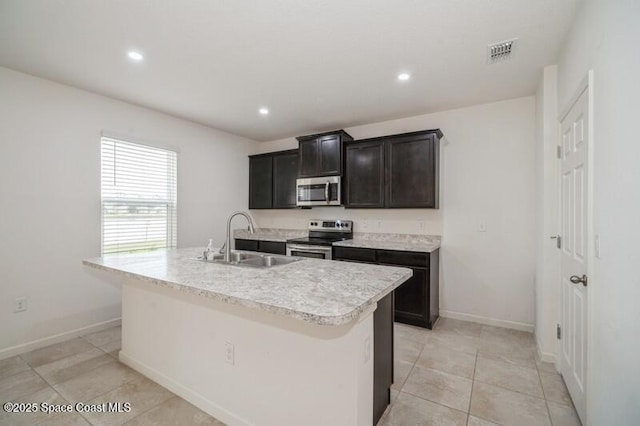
{"x":319,"y":291}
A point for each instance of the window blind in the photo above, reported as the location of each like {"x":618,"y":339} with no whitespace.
{"x":139,"y":197}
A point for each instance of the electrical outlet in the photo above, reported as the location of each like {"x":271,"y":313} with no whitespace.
{"x":421,"y":225}
{"x":367,"y":349}
{"x":229,"y":353}
{"x":379,"y":223}
{"x":21,"y":304}
{"x":365,"y":224}
{"x":482,"y":226}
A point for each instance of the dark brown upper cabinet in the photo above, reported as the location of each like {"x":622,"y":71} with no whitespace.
{"x":321,"y":154}
{"x":412,"y":170}
{"x":285,"y":173}
{"x":272,"y":180}
{"x":398,"y":171}
{"x":364,"y":166}
{"x":261,"y":182}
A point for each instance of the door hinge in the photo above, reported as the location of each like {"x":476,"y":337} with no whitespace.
{"x":558,"y":151}
{"x":558,"y":332}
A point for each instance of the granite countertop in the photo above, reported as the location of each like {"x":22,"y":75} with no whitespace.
{"x":401,"y":242}
{"x":318,"y":291}
{"x":270,"y":234}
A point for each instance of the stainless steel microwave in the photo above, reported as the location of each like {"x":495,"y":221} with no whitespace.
{"x":318,"y":191}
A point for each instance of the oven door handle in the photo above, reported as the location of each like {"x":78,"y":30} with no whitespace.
{"x":310,"y":249}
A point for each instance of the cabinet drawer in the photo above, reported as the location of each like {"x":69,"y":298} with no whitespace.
{"x":272,"y":247}
{"x":249,"y":245}
{"x":404,"y":258}
{"x":358,"y":254}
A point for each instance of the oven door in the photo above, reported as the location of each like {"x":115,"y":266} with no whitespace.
{"x":315,"y":252}
{"x":321,"y":191}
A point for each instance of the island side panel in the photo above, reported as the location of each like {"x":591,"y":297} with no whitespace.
{"x":285,"y":371}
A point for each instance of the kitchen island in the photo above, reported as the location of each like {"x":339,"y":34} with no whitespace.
{"x":290,"y":344}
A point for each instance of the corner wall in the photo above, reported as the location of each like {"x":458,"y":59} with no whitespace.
{"x":50,"y":192}
{"x":547,"y":253}
{"x":604,"y":38}
{"x":487,"y":175}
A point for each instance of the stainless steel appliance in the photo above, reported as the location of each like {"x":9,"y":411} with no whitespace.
{"x":322,"y":234}
{"x":318,"y":191}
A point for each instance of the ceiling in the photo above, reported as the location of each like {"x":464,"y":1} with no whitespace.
{"x":317,"y":65}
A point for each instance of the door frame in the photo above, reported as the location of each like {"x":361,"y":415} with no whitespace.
{"x":585,"y":85}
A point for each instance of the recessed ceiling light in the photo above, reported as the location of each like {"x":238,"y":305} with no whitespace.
{"x":264,"y":111}
{"x":135,"y":56}
{"x":403,"y":76}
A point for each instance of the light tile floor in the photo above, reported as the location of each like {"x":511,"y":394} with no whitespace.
{"x":87,"y":370}
{"x":460,"y":373}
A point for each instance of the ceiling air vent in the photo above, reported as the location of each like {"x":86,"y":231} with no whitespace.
{"x":500,"y":52}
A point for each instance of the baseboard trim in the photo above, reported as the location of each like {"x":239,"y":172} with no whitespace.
{"x":184,"y":392}
{"x":487,"y":321}
{"x":57,"y":338}
{"x":545,"y":356}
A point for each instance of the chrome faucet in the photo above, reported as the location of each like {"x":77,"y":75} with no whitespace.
{"x":227,"y":243}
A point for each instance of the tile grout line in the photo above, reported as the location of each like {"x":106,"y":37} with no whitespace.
{"x":473,"y":381}
{"x":173,"y":395}
{"x":425,"y":399}
{"x":546,"y":403}
{"x":52,"y":386}
{"x":88,"y":420}
{"x":511,"y":390}
{"x":434,"y":402}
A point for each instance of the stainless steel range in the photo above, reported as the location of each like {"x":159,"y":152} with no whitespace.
{"x":322,"y":234}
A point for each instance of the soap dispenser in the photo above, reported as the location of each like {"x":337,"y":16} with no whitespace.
{"x":208,"y":252}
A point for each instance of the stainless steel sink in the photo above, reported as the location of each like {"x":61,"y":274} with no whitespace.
{"x":268,"y":261}
{"x":236,"y":257}
{"x":253,"y":260}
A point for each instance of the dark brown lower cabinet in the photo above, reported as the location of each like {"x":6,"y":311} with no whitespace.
{"x":417,"y":300}
{"x":382,"y":356}
{"x":273,"y":247}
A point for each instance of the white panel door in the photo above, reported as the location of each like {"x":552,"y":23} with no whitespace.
{"x":573,"y":224}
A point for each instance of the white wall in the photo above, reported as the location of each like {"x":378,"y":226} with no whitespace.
{"x":604,"y":38}
{"x":547,"y":253}
{"x":487,"y":174}
{"x":50,"y":195}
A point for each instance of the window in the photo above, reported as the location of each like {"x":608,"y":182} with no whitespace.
{"x":139,"y":197}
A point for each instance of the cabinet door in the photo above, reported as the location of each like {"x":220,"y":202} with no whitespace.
{"x":411,"y":172}
{"x":330,"y":148}
{"x":411,"y":299}
{"x":260,"y":182}
{"x":285,"y":173}
{"x":364,"y":175}
{"x":309,"y":158}
{"x":274,"y":247}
